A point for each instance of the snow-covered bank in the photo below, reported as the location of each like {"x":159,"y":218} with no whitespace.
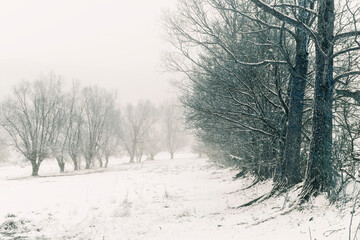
{"x":184,"y":198}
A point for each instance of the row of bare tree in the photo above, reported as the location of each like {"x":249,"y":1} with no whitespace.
{"x":263,"y":76}
{"x":85,"y":125}
{"x":147,"y":129}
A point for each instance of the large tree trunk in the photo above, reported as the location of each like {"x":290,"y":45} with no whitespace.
{"x":319,"y":175}
{"x":294,"y":127}
{"x":171,"y":155}
{"x":35,"y":168}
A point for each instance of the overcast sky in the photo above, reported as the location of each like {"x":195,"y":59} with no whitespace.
{"x":113,"y":43}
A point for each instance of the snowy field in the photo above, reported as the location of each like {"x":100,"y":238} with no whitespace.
{"x":184,"y":198}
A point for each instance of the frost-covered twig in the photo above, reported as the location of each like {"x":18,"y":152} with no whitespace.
{"x":350,"y":175}
{"x":352,"y":216}
{"x":329,"y":232}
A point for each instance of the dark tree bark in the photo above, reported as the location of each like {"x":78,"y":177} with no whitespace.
{"x":35,"y":168}
{"x":295,"y":115}
{"x":319,"y":175}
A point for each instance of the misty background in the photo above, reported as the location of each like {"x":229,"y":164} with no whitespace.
{"x":115,"y":44}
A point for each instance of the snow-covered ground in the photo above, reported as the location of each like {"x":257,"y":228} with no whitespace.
{"x":184,"y":198}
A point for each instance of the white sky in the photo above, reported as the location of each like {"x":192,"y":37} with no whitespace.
{"x":113,"y":43}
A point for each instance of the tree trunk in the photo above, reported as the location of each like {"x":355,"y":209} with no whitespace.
{"x":171,"y":155}
{"x":132,"y":158}
{"x":62,"y":167}
{"x":294,"y":127}
{"x":319,"y":174}
{"x":152,"y":156}
{"x":76,"y":164}
{"x":88,"y":161}
{"x":100,"y":162}
{"x":35,"y":168}
{"x":132,"y":152}
{"x":106,"y":161}
{"x":61,"y":163}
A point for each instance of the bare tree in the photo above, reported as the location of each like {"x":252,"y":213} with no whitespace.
{"x":154,"y":140}
{"x":61,"y":134}
{"x":110,"y":139}
{"x":218,"y":41}
{"x":329,"y":31}
{"x":31,"y":116}
{"x":174,"y":128}
{"x":293,"y":102}
{"x":136,"y":123}
{"x":98,"y":105}
{"x":74,"y":125}
{"x":236,"y":96}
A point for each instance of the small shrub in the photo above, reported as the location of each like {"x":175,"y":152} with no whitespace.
{"x":10,"y":215}
{"x":9,"y":225}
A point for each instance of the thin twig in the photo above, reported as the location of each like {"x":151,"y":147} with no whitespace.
{"x":352,"y":216}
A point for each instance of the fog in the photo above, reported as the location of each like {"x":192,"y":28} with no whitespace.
{"x":112,"y":43}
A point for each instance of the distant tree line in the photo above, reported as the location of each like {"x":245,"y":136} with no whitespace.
{"x":44,"y":119}
{"x":271,"y":86}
